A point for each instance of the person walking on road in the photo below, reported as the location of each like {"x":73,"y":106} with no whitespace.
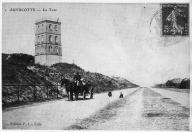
{"x":121,"y":95}
{"x":110,"y":94}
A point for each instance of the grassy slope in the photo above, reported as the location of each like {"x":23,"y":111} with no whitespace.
{"x":20,"y":69}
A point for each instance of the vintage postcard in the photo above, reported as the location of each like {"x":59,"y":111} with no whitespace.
{"x":96,"y":66}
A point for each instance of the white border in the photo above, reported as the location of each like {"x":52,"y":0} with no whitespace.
{"x":99,"y":1}
{"x":103,"y":1}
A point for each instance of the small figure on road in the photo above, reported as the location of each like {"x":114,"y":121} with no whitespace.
{"x":110,"y":94}
{"x":121,"y":95}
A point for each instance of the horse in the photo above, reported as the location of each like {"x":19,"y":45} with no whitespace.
{"x":69,"y":87}
{"x":81,"y":87}
{"x":72,"y":88}
{"x":76,"y":87}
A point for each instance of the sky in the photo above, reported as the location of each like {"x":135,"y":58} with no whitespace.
{"x":112,"y":39}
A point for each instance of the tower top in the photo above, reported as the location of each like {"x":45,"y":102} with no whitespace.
{"x":47,"y":20}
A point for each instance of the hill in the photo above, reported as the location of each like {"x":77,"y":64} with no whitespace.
{"x":25,"y":81}
{"x":176,"y":83}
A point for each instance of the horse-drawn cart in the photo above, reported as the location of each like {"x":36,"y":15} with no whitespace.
{"x":77,"y":89}
{"x":85,"y":91}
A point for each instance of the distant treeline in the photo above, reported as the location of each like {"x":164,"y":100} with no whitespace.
{"x":176,"y":83}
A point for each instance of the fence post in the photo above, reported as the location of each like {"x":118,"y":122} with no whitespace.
{"x":57,"y":90}
{"x":47,"y":91}
{"x":18,"y":93}
{"x":34,"y":92}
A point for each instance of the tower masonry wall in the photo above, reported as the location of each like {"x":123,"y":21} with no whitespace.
{"x":48,"y":49}
{"x":47,"y":60}
{"x":40,"y":59}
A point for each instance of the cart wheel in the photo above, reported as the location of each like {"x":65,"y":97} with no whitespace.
{"x":84,"y":95}
{"x":91,"y":95}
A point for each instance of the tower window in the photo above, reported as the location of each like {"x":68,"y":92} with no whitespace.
{"x":56,"y":50}
{"x":38,"y":39}
{"x":50,"y":26}
{"x":50,"y":49}
{"x":59,"y":50}
{"x":50,"y":39}
{"x":42,"y":38}
{"x":56,"y":28}
{"x":56,"y":40}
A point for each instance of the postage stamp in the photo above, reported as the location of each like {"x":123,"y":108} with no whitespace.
{"x":175,"y":19}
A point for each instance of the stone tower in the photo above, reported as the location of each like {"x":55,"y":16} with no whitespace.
{"x":48,"y":42}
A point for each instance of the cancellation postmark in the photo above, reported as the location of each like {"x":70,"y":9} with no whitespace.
{"x":175,"y":19}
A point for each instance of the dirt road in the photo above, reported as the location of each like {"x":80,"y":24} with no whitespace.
{"x":57,"y":114}
{"x":140,"y":109}
{"x":145,"y":109}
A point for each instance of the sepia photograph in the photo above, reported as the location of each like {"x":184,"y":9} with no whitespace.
{"x":95,"y":66}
